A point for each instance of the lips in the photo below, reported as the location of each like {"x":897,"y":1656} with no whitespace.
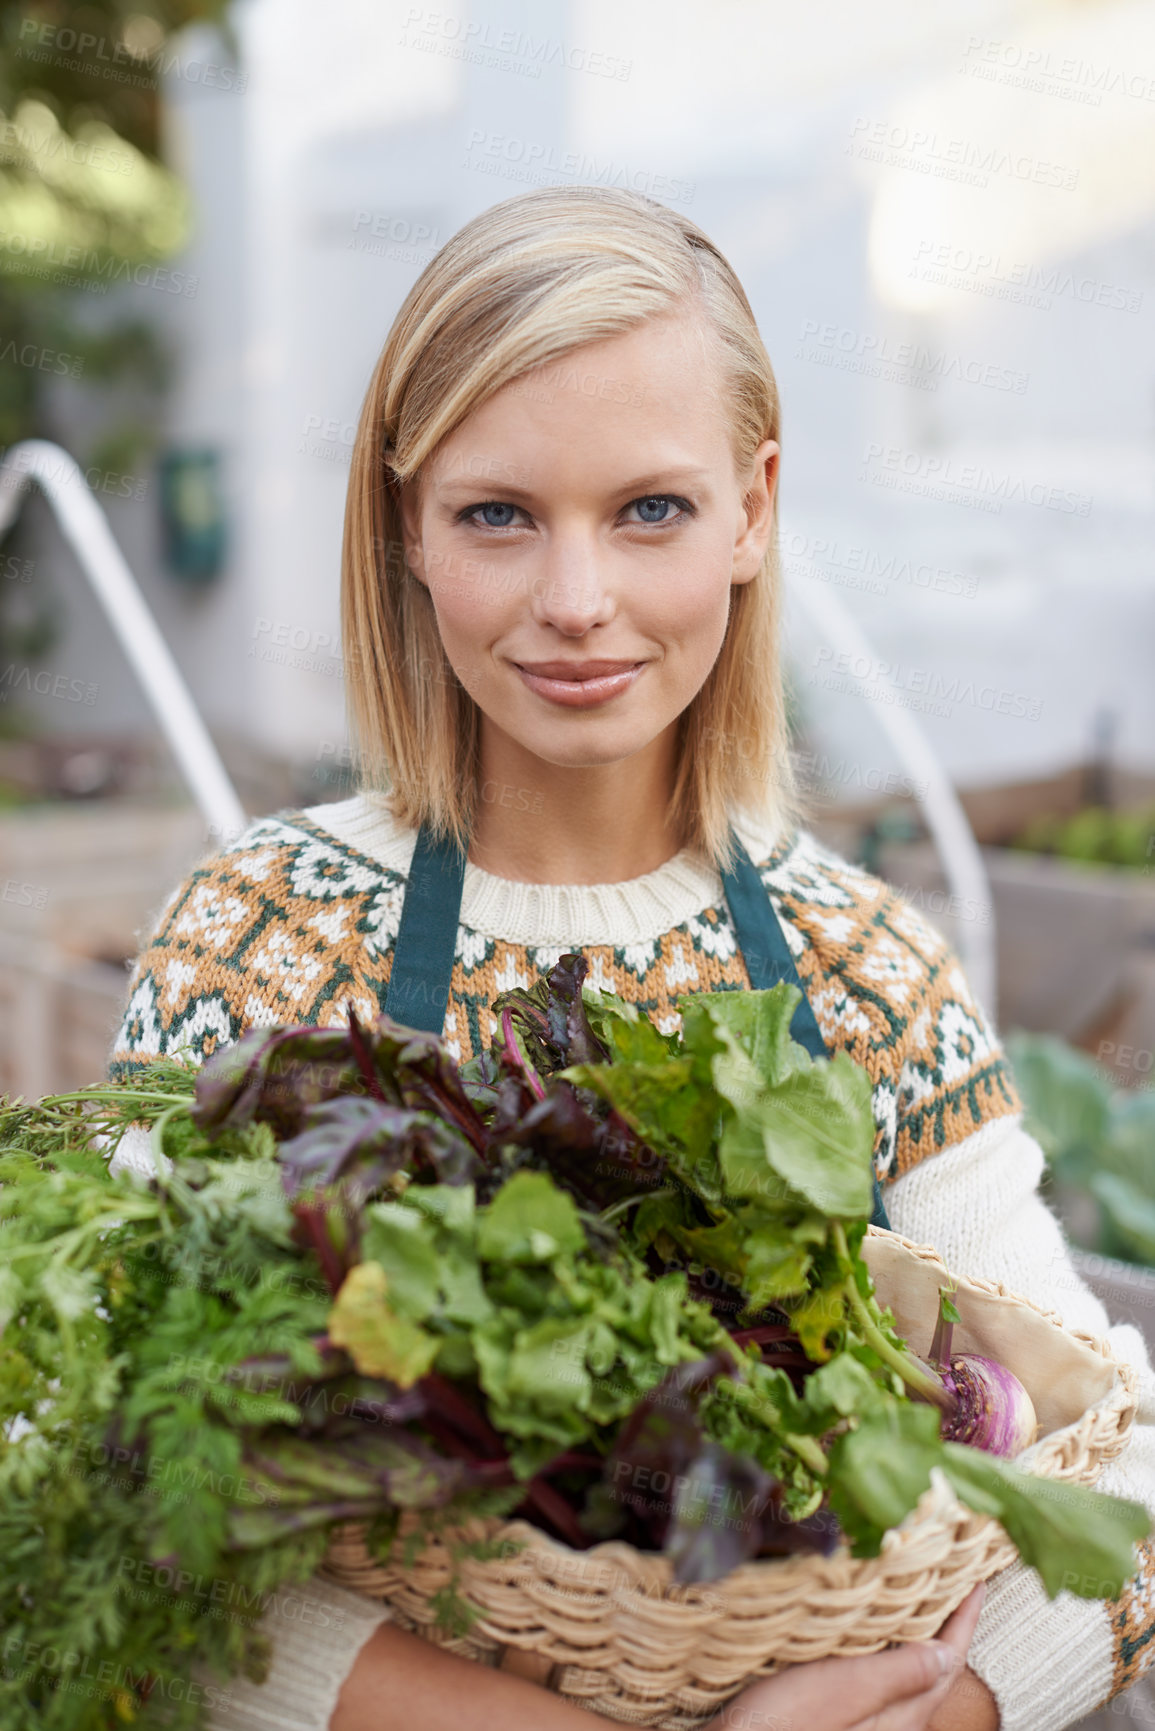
{"x":580,"y":684}
{"x":575,"y":670}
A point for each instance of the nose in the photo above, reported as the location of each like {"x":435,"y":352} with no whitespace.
{"x":570,"y":590}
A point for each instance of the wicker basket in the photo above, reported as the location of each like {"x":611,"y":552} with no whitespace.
{"x":608,"y":1629}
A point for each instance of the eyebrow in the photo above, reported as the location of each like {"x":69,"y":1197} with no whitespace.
{"x":641,"y":484}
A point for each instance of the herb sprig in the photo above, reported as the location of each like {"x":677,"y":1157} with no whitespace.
{"x":601,"y":1276}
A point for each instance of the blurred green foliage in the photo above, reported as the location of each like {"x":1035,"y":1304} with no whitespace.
{"x":1095,"y":834}
{"x":79,"y":86}
{"x":83,"y":194}
{"x":1099,"y":1141}
{"x":84,"y":201}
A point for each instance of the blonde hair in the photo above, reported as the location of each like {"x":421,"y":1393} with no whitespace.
{"x":524,"y":283}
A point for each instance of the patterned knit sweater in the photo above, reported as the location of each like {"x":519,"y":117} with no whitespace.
{"x":296,"y":920}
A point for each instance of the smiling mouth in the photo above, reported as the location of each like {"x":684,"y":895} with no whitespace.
{"x":575,"y":670}
{"x":580,"y":685}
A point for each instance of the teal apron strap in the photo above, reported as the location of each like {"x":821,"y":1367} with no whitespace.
{"x":418,"y":992}
{"x":768,"y":961}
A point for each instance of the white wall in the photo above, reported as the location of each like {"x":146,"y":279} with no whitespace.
{"x":751,"y":117}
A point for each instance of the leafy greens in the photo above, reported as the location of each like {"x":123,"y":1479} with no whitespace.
{"x":601,"y":1276}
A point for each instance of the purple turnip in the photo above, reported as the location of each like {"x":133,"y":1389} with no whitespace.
{"x":994,"y":1411}
{"x":981,"y":1402}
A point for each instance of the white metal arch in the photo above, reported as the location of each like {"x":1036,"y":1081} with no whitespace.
{"x":86,"y":529}
{"x":945,"y":818}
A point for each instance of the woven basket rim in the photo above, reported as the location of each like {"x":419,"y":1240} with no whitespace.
{"x":609,"y":1629}
{"x":1044,"y":1457}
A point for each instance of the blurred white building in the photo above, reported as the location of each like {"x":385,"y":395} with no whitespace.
{"x":946,"y":226}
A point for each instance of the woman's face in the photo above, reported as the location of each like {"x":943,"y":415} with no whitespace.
{"x":589,"y":512}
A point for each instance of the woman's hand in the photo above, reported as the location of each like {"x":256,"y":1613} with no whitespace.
{"x":902,"y":1689}
{"x":399,"y":1681}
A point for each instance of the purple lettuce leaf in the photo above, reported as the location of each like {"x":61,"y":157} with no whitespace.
{"x":569,"y":1025}
{"x":593,"y":1155}
{"x":653,"y":1449}
{"x":482,"y":1078}
{"x":366,"y":1142}
{"x":717,"y":1514}
{"x":274,"y":1077}
{"x":424,"y":1076}
{"x":729,"y":1509}
{"x":550,"y":1018}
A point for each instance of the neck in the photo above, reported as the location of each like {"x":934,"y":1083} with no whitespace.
{"x":544,"y":823}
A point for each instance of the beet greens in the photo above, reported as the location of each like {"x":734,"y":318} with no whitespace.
{"x":602,"y":1277}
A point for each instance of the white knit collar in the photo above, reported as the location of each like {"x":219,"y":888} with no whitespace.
{"x":637,"y":910}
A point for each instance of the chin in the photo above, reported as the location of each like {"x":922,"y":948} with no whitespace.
{"x":618,"y":752}
{"x":573,"y":745}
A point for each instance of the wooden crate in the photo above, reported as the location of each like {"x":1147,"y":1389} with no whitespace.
{"x":58,"y":1015}
{"x":1075,"y":946}
{"x":996,"y":814}
{"x":81,"y":888}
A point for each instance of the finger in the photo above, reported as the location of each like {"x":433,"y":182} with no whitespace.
{"x":955,"y":1637}
{"x":901,"y":1674}
{"x":839,"y":1694}
{"x":959,"y":1627}
{"x":913,"y":1714}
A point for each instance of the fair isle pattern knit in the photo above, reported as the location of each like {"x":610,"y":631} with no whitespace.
{"x":293,"y":924}
{"x":1133,"y":1623}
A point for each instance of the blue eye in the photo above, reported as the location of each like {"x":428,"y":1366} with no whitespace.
{"x":653,"y":507}
{"x":501,"y":522}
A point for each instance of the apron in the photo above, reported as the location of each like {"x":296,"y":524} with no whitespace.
{"x":418,"y":992}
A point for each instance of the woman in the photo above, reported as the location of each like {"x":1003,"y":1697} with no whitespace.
{"x":560,"y":592}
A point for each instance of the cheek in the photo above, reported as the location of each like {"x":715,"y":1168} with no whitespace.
{"x":472,"y":598}
{"x":691,"y":613}
{"x":476,"y":604}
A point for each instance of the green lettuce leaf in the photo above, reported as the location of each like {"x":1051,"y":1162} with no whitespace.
{"x":813,"y":1134}
{"x":379,"y":1341}
{"x":759,"y":1020}
{"x":529,"y":1220}
{"x":1080,"y":1541}
{"x":402,"y":1242}
{"x":879,"y":1470}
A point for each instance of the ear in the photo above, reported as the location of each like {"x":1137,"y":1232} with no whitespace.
{"x":757,"y":521}
{"x":409,"y":507}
